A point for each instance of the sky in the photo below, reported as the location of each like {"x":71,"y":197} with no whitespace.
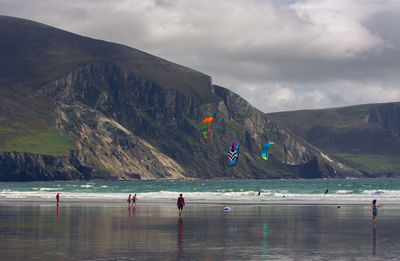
{"x":279,"y":55}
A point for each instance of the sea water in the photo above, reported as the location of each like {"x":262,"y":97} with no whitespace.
{"x":209,"y":190}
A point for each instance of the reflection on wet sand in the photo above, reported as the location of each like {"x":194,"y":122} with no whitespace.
{"x":180,"y":237}
{"x":265,"y":243}
{"x":207,"y":233}
{"x":374,"y":239}
{"x":131,"y":211}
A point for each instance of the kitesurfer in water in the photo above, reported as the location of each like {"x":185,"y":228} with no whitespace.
{"x":326,"y":191}
{"x":374,"y":208}
{"x":180,"y":203}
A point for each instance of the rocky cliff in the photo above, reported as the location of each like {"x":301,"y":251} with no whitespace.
{"x":131,"y":115}
{"x":386,"y":115}
{"x":109,"y":112}
{"x":365,"y":137}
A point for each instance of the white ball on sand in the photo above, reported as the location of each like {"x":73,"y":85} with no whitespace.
{"x":227,"y":209}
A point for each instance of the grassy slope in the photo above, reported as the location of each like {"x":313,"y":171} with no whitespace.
{"x":347,"y":136}
{"x":30,"y":127}
{"x":35,"y":53}
{"x":32,"y":54}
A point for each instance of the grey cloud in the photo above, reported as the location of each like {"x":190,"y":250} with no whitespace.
{"x":280,"y":55}
{"x":275,"y":96}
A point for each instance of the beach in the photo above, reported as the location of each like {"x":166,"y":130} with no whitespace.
{"x":79,"y":230}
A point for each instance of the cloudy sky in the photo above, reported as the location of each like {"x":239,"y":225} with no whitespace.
{"x":278,"y":54}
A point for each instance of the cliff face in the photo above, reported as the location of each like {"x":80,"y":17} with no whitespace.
{"x":114,"y":115}
{"x":365,"y":137}
{"x":387,"y":115}
{"x":34,"y":167}
{"x":135,"y":116}
{"x":106,"y":150}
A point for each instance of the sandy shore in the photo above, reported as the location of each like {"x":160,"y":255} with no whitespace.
{"x":153,"y":231}
{"x":162,"y":202}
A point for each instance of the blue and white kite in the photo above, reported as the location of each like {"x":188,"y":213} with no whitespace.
{"x":233,"y":153}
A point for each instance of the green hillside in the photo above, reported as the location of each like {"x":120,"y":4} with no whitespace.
{"x":33,"y":54}
{"x":365,"y":137}
{"x":30,"y":127}
{"x":72,"y":107}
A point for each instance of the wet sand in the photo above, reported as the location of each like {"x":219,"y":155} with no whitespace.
{"x":109,"y":231}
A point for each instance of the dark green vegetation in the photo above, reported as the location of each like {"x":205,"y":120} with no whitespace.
{"x":365,"y":137}
{"x":72,"y":107}
{"x":33,"y":54}
{"x":29,"y":126}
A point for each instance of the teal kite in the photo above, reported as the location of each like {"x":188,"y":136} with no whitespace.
{"x":265,"y":150}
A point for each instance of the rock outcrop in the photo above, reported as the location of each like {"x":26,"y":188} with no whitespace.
{"x":114,"y":115}
{"x":365,"y":137}
{"x":387,"y":115}
{"x":135,"y":116}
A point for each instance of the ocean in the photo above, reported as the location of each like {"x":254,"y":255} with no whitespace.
{"x":235,"y":191}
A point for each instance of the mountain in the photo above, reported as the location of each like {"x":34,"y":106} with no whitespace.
{"x":73,"y":107}
{"x":364,"y":137}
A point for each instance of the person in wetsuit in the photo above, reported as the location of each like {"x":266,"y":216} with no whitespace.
{"x":134,"y":200}
{"x":180,"y":203}
{"x":374,"y":208}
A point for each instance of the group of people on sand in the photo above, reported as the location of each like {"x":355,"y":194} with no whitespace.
{"x":132,"y":200}
{"x":180,"y":202}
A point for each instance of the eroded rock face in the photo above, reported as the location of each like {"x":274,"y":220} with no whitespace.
{"x":128,"y":127}
{"x":387,"y":115}
{"x":17,"y":166}
{"x":132,"y":115}
{"x":110,"y":149}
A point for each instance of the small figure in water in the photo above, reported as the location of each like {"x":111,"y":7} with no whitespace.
{"x":129,"y":200}
{"x":134,"y":200}
{"x":180,"y":203}
{"x":58,"y":198}
{"x":374,"y":208}
{"x":326,"y":191}
{"x":259,"y":193}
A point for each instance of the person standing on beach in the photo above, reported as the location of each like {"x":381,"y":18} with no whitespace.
{"x":374,"y":208}
{"x":129,"y":200}
{"x":134,"y":200}
{"x":180,"y":203}
{"x":58,"y":198}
